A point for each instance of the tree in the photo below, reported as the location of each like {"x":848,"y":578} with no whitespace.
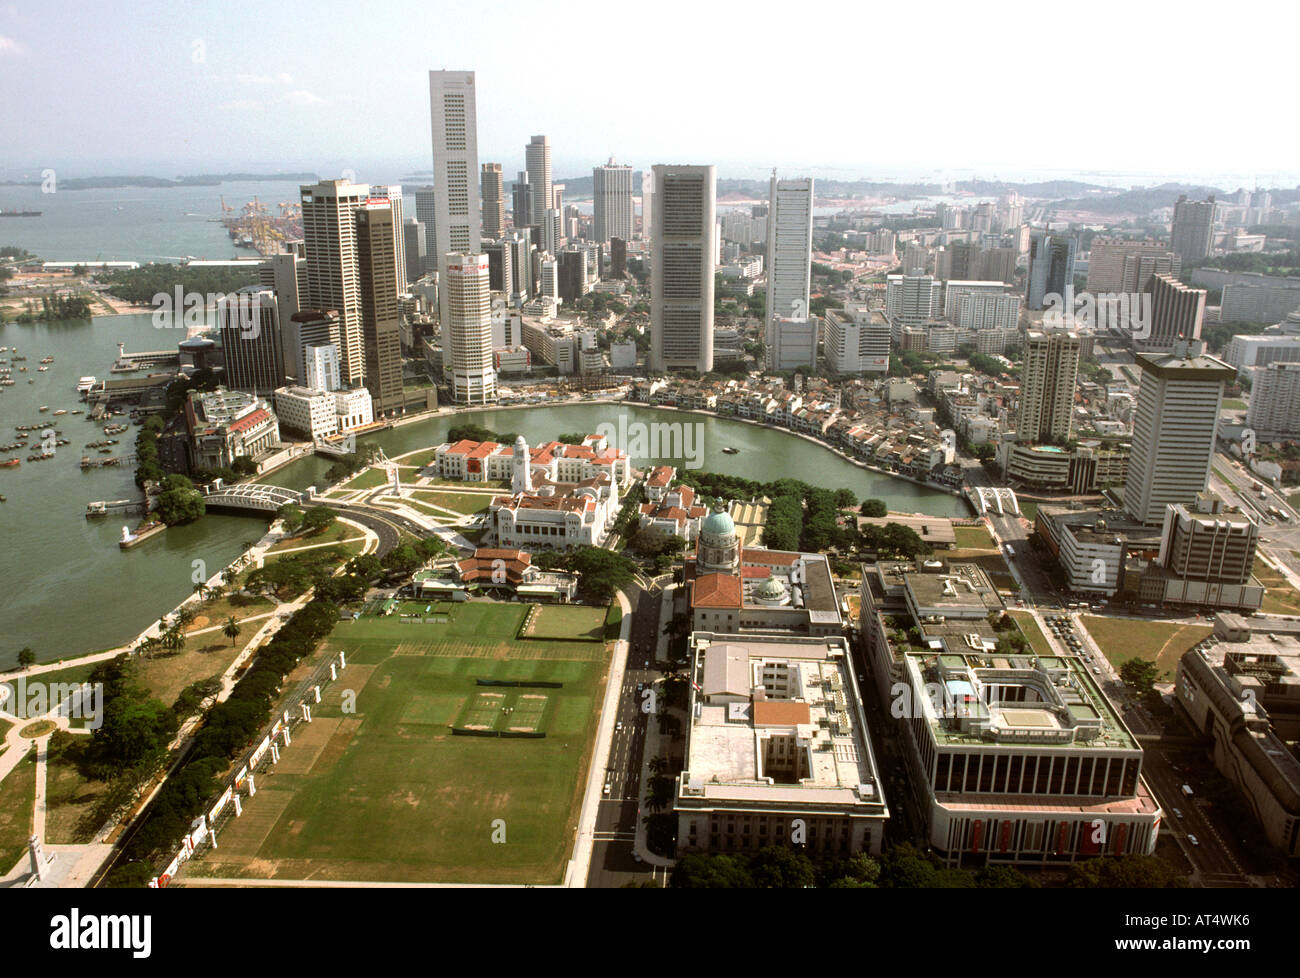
{"x":317,"y":520}
{"x":231,"y":629}
{"x":874,"y":508}
{"x":1140,"y":675}
{"x":783,"y":868}
{"x":26,"y":657}
{"x":179,"y":504}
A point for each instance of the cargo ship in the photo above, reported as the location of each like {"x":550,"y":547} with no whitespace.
{"x":4,"y":213}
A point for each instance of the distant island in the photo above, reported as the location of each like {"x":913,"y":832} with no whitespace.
{"x":199,"y":180}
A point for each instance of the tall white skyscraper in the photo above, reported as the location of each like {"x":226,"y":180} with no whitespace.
{"x":537,"y":160}
{"x":467,"y":332}
{"x":457,"y":220}
{"x":682,"y":245}
{"x":494,"y":201}
{"x":647,"y":203}
{"x":466,"y":343}
{"x":329,"y":230}
{"x":789,"y":248}
{"x":1173,"y":429}
{"x":612,"y":211}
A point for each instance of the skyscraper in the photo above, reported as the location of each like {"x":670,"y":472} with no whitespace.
{"x":1047,"y":385}
{"x":647,"y":203}
{"x":1177,"y":312}
{"x":1192,"y":231}
{"x":426,"y":212}
{"x":393,"y":194}
{"x":329,"y":228}
{"x":1051,"y":267}
{"x":612,"y":210}
{"x":467,"y":332}
{"x":380,"y":319}
{"x":521,"y":196}
{"x":494,"y":201}
{"x":1173,"y":429}
{"x":537,"y":159}
{"x":467,"y":344}
{"x":789,"y":248}
{"x":249,"y":327}
{"x":453,"y":106}
{"x":682,"y":245}
{"x":414,"y":244}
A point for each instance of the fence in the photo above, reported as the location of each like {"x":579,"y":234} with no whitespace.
{"x":278,"y":734}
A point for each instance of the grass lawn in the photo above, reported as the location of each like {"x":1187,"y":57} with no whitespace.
{"x":353,"y":546}
{"x":68,"y":794}
{"x":1032,"y":632}
{"x":237,"y":605}
{"x":202,"y":657}
{"x":334,"y":534}
{"x":386,"y":793}
{"x":1280,"y":598}
{"x":1232,"y":404}
{"x":460,"y":502}
{"x":572,"y":621}
{"x":1028,"y":509}
{"x":369,"y":479}
{"x":17,"y":799}
{"x":974,"y":538}
{"x":1163,"y":643}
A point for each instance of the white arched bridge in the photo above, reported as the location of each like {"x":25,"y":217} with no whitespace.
{"x":263,"y":498}
{"x":997,"y":499}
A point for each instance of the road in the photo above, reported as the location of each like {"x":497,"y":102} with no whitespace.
{"x":612,"y":864}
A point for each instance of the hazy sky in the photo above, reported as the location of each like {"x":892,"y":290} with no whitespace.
{"x":882,"y":90}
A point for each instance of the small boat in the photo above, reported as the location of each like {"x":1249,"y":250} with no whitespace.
{"x":42,"y":370}
{"x":43,"y":408}
{"x":60,"y":411}
{"x":731,"y":451}
{"x":10,"y":463}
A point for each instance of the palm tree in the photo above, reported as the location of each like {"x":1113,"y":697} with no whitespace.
{"x":216,"y":592}
{"x":185,"y":616}
{"x":173,"y":639}
{"x":201,"y":589}
{"x":658,"y":764}
{"x":231,"y":629}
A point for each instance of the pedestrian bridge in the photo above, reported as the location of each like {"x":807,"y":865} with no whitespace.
{"x":253,"y":496}
{"x":997,"y":499}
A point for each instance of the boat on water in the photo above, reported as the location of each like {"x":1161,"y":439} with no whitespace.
{"x":10,"y":463}
{"x":43,"y":408}
{"x":731,"y":451}
{"x":60,"y":411}
{"x":20,"y":213}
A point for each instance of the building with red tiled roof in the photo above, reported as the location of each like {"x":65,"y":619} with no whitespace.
{"x":224,"y":425}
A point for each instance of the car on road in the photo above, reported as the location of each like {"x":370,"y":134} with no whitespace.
{"x":1178,"y":813}
{"x":606,"y":791}
{"x":1193,"y":840}
{"x":618,"y":726}
{"x":1187,"y":790}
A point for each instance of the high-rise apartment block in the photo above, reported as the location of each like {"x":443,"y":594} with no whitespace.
{"x":1192,"y":232}
{"x":1047,"y":386}
{"x":1177,"y":313}
{"x":913,"y":299}
{"x":1275,"y":401}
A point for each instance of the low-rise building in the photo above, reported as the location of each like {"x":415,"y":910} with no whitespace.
{"x":224,"y":425}
{"x":777,"y":749}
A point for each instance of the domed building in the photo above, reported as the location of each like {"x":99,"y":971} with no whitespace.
{"x":719,"y":545}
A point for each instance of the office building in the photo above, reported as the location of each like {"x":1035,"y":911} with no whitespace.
{"x":1015,"y":758}
{"x":329,"y":226}
{"x":1051,"y":267}
{"x":500,"y":266}
{"x":856,"y":342}
{"x":426,"y":212}
{"x":612,"y":210}
{"x":521,"y":200}
{"x":1174,"y":429}
{"x":380,"y":318}
{"x":1192,"y":232}
{"x":493,"y":190}
{"x":248,"y":325}
{"x":791,"y":344}
{"x":1177,"y":313}
{"x":1247,"y":351}
{"x":682,"y":246}
{"x":537,"y":159}
{"x":777,"y":749}
{"x":916,"y":258}
{"x":322,"y":367}
{"x":315,"y":328}
{"x":1114,"y":263}
{"x":393,"y":194}
{"x":913,"y":299}
{"x":413,"y":240}
{"x":1275,"y":401}
{"x":789,"y":248}
{"x":1241,"y":690}
{"x":458,"y":222}
{"x":618,"y":258}
{"x":467,"y":332}
{"x":1047,"y":385}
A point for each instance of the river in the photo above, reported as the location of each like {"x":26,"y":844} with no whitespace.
{"x":69,"y":589}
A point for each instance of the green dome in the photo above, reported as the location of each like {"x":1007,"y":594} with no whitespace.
{"x":770,"y":590}
{"x":718,"y":524}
